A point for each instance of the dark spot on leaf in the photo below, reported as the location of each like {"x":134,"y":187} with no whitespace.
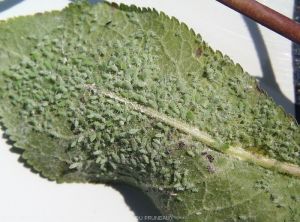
{"x":198,"y":52}
{"x":114,"y":6}
{"x":211,"y":169}
{"x":210,"y":158}
{"x":108,"y":23}
{"x":181,"y":144}
{"x":204,"y":153}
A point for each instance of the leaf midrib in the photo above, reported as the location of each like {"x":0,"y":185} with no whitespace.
{"x":233,"y":151}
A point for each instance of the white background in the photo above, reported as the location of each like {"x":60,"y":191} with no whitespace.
{"x":24,"y":196}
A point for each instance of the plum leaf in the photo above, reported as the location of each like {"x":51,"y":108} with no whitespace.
{"x":118,"y":93}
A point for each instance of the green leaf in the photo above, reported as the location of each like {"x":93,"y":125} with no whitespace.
{"x":103,"y":93}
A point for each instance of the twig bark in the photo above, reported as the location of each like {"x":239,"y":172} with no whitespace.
{"x":266,"y":17}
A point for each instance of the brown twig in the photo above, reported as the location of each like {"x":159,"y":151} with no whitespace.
{"x":266,"y":17}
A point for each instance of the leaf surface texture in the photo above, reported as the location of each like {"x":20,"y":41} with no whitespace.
{"x":108,"y":93}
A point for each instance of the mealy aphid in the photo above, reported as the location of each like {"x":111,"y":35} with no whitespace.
{"x":96,"y":102}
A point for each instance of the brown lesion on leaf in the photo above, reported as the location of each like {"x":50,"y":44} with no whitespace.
{"x":210,"y":167}
{"x":210,"y":158}
{"x":181,"y":144}
{"x":108,"y":23}
{"x":114,"y":6}
{"x":184,"y":143}
{"x":168,"y":151}
{"x":204,"y":153}
{"x":198,"y":52}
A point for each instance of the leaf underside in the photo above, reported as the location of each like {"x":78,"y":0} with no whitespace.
{"x":115,"y":93}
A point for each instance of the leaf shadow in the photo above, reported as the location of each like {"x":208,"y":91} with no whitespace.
{"x":138,"y":202}
{"x":268,"y":81}
{"x":296,"y":63}
{"x":90,"y":1}
{"x":6,"y":4}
